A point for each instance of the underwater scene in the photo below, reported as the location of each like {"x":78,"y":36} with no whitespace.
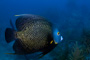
{"x":44,"y":29}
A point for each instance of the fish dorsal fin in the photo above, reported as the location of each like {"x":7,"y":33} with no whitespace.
{"x":12,"y":25}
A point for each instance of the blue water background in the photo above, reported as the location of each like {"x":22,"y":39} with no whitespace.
{"x":71,"y":16}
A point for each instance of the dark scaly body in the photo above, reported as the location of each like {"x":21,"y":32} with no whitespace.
{"x":34,"y":34}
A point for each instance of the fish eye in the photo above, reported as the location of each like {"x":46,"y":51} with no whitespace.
{"x":58,"y":33}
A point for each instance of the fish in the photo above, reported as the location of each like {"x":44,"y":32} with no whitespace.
{"x":33,"y":33}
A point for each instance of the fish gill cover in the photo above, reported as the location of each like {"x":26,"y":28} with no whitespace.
{"x":71,"y":16}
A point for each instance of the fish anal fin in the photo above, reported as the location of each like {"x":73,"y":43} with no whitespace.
{"x":13,"y":53}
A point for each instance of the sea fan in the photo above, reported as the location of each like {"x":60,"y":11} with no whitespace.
{"x":77,"y":53}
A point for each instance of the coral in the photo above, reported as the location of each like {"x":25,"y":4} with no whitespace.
{"x":86,"y":40}
{"x":77,"y":53}
{"x":0,"y":31}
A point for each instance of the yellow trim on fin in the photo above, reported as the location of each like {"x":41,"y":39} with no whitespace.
{"x":51,"y":42}
{"x":16,"y":15}
{"x":55,"y":42}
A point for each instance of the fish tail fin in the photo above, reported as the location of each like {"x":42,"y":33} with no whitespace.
{"x":9,"y":35}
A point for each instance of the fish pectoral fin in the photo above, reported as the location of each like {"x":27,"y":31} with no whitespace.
{"x":41,"y":56}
